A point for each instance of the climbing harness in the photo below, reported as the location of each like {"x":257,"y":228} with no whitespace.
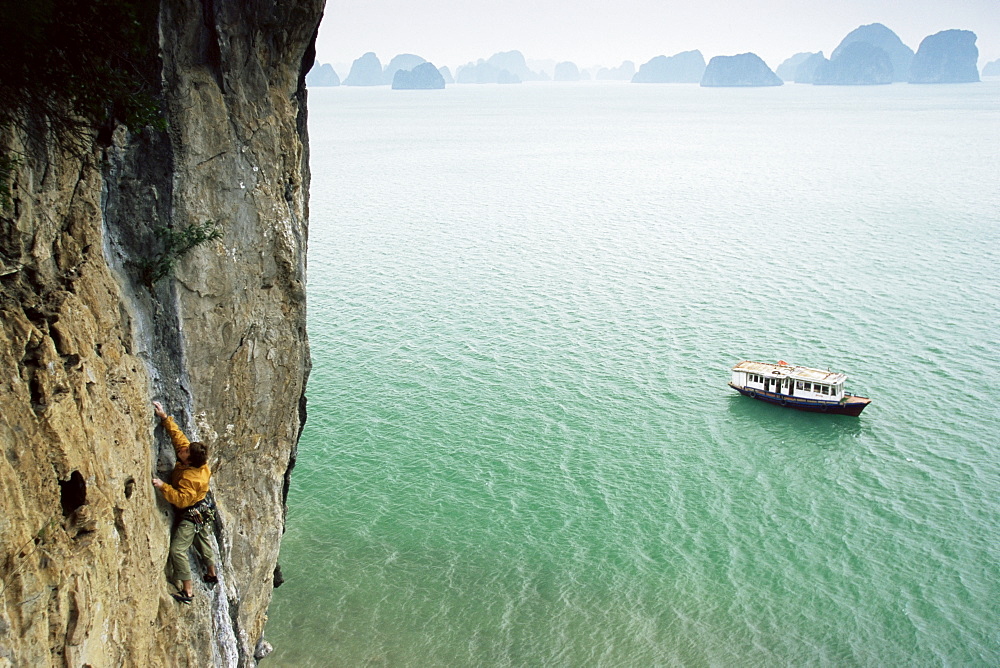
{"x":200,"y":513}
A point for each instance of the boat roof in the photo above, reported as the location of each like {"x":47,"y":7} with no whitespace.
{"x":782,"y":370}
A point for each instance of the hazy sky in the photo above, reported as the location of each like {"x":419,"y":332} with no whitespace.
{"x":606,"y":32}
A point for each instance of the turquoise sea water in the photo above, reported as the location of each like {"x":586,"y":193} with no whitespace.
{"x":521,"y":449}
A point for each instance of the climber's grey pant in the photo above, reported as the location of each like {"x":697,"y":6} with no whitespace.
{"x":186,"y":533}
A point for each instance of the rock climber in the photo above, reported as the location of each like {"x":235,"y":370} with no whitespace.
{"x":186,"y":491}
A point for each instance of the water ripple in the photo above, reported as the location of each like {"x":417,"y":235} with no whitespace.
{"x":521,"y":449}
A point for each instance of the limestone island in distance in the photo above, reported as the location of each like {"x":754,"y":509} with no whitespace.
{"x":868,"y":55}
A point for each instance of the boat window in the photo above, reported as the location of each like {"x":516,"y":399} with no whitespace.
{"x":798,"y":385}
{"x":825,"y":389}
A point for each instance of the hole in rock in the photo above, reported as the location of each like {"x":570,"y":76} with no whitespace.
{"x":74,"y":493}
{"x":37,"y":391}
{"x":120,"y":521}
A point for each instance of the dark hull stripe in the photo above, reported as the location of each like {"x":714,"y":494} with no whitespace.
{"x":851,"y":406}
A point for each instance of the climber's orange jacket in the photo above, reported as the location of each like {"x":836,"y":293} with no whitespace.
{"x":188,"y":484}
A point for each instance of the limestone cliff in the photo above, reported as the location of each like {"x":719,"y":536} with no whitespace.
{"x":404,"y":62}
{"x":566,"y":71}
{"x":744,"y":70}
{"x":422,"y":77}
{"x":788,"y":69}
{"x":857,"y":64}
{"x":684,"y":67}
{"x":897,"y":55}
{"x":949,"y":56}
{"x":365,"y":71}
{"x":322,"y":75}
{"x":85,"y":345}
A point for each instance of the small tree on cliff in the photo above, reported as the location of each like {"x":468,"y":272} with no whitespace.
{"x":173,"y":245}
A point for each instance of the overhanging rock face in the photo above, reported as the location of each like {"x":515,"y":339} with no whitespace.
{"x":86,"y":344}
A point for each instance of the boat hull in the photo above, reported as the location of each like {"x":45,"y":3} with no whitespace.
{"x":851,"y":405}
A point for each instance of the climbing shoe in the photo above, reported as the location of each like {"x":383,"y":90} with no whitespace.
{"x":210,"y":579}
{"x":181,"y":597}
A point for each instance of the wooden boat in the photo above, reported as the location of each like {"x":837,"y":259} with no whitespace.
{"x":797,"y":387}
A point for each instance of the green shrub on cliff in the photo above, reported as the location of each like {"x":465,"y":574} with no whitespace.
{"x":173,"y":245}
